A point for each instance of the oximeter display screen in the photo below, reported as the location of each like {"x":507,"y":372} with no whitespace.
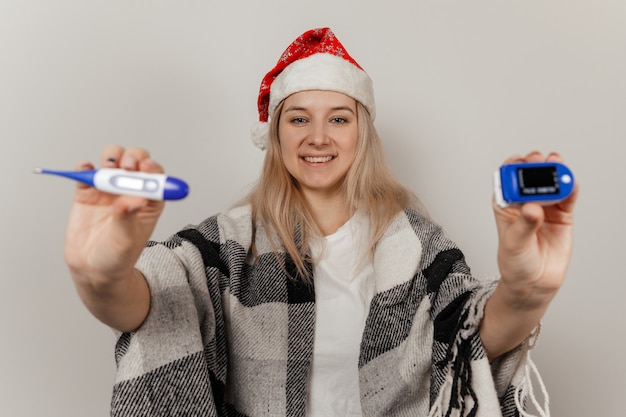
{"x":538,"y":180}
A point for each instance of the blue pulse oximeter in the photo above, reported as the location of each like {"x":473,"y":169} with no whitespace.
{"x":541,"y":182}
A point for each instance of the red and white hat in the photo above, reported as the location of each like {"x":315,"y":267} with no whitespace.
{"x":316,"y":60}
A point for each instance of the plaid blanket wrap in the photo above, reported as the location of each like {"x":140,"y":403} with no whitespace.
{"x":229,"y":335}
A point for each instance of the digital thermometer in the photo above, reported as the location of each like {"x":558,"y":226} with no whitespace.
{"x":120,"y":181}
{"x":542,"y":182}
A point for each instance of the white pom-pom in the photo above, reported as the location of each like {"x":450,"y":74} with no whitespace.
{"x":260,"y":133}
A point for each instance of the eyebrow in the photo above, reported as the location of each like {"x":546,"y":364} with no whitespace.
{"x":338,"y":108}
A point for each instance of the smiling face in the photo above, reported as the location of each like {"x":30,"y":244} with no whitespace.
{"x":318,"y":134}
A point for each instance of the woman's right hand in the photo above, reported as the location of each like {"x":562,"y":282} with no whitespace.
{"x":105,"y":236}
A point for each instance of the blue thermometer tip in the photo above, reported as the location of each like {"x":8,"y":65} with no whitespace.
{"x":86,"y":177}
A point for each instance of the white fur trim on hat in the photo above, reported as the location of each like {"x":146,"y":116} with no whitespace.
{"x":323,"y":72}
{"x":260,"y":133}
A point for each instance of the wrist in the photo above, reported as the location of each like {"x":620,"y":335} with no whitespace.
{"x":524,"y":297}
{"x":103,"y":283}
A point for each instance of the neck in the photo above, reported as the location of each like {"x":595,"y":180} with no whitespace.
{"x":329,"y":212}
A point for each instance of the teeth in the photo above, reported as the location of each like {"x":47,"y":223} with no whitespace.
{"x":318,"y":158}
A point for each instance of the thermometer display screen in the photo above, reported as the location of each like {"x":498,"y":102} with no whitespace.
{"x":128,"y":183}
{"x":538,"y":180}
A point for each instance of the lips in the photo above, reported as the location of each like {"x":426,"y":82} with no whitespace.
{"x":318,"y":159}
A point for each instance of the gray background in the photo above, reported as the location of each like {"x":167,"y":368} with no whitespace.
{"x":460,"y":86}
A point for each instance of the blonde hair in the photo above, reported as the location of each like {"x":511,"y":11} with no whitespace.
{"x":278,"y":203}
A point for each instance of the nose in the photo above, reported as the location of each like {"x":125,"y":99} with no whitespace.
{"x":319,"y":135}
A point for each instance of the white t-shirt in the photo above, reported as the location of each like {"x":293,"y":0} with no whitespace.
{"x":344,"y":288}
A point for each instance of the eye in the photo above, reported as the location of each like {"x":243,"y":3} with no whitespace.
{"x":298,"y":120}
{"x":339,"y":120}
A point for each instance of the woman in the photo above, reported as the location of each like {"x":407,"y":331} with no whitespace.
{"x":327,"y":291}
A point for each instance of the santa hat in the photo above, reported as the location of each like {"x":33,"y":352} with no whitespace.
{"x":316,"y":60}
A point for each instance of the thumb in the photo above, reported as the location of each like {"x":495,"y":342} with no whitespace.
{"x":133,"y":221}
{"x":126,"y":207}
{"x":136,"y":216}
{"x":526,"y":226}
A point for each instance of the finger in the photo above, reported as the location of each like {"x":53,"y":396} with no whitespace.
{"x":567,"y":205}
{"x":111,"y":156}
{"x":149,"y":165}
{"x":125,"y":207}
{"x":554,"y":157}
{"x":514,"y":159}
{"x":83,"y":166}
{"x":132,"y":157}
{"x":526,"y":225}
{"x":534,"y":156}
{"x":532,"y":214}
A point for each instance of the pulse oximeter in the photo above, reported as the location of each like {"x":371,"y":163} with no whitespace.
{"x":541,"y":182}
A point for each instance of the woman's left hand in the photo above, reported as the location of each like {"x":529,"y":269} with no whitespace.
{"x":535,"y":243}
{"x":534,"y":251}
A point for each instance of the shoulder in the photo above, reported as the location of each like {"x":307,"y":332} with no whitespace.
{"x":235,"y":221}
{"x":232,"y":225}
{"x":411,"y":220}
{"x":237,"y":214}
{"x":412,"y":227}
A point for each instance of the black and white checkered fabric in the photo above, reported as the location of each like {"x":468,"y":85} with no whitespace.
{"x":232,"y":335}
